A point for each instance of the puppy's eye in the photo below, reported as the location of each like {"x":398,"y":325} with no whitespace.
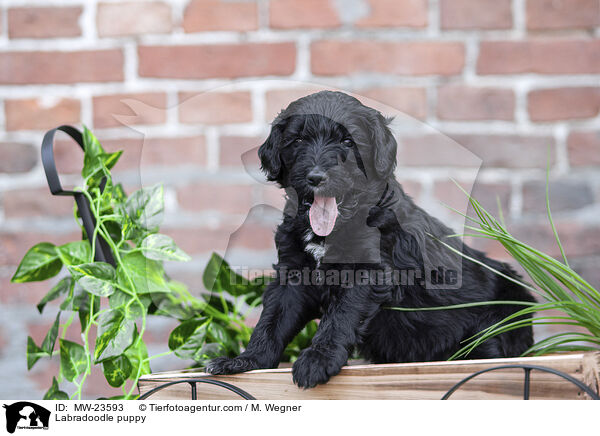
{"x":299,"y":139}
{"x":348,"y":142}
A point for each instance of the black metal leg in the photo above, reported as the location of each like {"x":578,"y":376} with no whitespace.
{"x":527,"y":383}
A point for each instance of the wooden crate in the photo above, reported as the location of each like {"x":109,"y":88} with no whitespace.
{"x":400,"y":381}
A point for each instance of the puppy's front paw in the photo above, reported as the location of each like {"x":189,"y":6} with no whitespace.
{"x":315,"y":367}
{"x":226,"y":365}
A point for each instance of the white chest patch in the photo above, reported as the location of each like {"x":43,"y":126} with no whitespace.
{"x":316,"y":250}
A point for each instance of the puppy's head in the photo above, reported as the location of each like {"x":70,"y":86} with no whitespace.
{"x":329,"y":148}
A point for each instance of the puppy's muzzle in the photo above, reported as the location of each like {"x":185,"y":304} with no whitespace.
{"x":316,"y":176}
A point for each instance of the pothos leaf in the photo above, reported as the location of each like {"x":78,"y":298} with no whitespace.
{"x":62,"y":287}
{"x":50,"y":339}
{"x":40,"y":263}
{"x":188,"y":337}
{"x":115,"y":334}
{"x":137,"y":355}
{"x":162,"y":247}
{"x":96,"y":278}
{"x":54,"y":393}
{"x":34,"y":353}
{"x":117,"y":370}
{"x":146,"y":206}
{"x":73,"y":359}
{"x":146,"y":275}
{"x":75,"y":253}
{"x":85,"y":306}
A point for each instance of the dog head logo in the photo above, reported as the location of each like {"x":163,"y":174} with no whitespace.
{"x":26,"y":415}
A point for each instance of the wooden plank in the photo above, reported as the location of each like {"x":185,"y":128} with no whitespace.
{"x":399,"y":381}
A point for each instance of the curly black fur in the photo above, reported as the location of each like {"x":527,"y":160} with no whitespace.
{"x":379,"y":228}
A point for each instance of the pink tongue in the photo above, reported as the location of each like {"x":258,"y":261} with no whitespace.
{"x":323,"y":214}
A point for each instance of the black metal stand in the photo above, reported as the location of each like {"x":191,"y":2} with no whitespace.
{"x":103,"y":253}
{"x":527,"y":379}
{"x":245,"y":395}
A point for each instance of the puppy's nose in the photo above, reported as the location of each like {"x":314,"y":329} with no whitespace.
{"x":316,"y":177}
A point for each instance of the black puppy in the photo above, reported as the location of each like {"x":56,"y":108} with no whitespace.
{"x":352,"y":244}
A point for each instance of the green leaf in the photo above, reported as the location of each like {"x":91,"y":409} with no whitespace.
{"x":147,"y":275}
{"x":162,"y":247}
{"x":97,"y":278}
{"x":95,"y":168}
{"x":73,"y":360}
{"x":137,"y":354}
{"x":75,"y":253}
{"x":115,"y":334}
{"x":117,"y":370}
{"x":218,"y":276}
{"x":76,"y":297}
{"x":50,"y":339}
{"x":84,"y":309}
{"x":187,"y":339}
{"x":146,"y":206}
{"x":54,"y":393}
{"x":34,"y":353}
{"x":40,"y":263}
{"x":96,"y":161}
{"x":126,"y":303}
{"x":91,"y":145}
{"x":62,"y":287}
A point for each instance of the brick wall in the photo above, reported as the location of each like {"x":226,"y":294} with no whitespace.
{"x":199,"y":80}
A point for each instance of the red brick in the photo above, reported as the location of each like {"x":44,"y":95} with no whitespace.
{"x":487,"y":194}
{"x":222,"y":60}
{"x":413,"y":188}
{"x":293,"y":14}
{"x":587,"y":267}
{"x":17,"y":157}
{"x":37,"y":114}
{"x":578,"y":239}
{"x":208,"y":240}
{"x":476,"y":14}
{"x":54,"y":22}
{"x":106,"y":106}
{"x":411,"y":101}
{"x":539,"y":56}
{"x":152,"y":152}
{"x":23,"y":293}
{"x":584,"y":148}
{"x":562,"y":14}
{"x":15,"y":244}
{"x":207,"y":15}
{"x":237,"y":151}
{"x":565,"y":195}
{"x":272,"y":195}
{"x":33,"y":67}
{"x":392,"y":13}
{"x":279,"y":99}
{"x":216,"y":196}
{"x":458,"y":102}
{"x":133,"y":18}
{"x":330,"y":58}
{"x":563,"y":103}
{"x":215,"y":107}
{"x":25,"y":203}
{"x":467,"y":151}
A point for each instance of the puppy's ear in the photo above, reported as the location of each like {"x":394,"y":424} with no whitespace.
{"x":268,"y":153}
{"x":385,"y":147}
